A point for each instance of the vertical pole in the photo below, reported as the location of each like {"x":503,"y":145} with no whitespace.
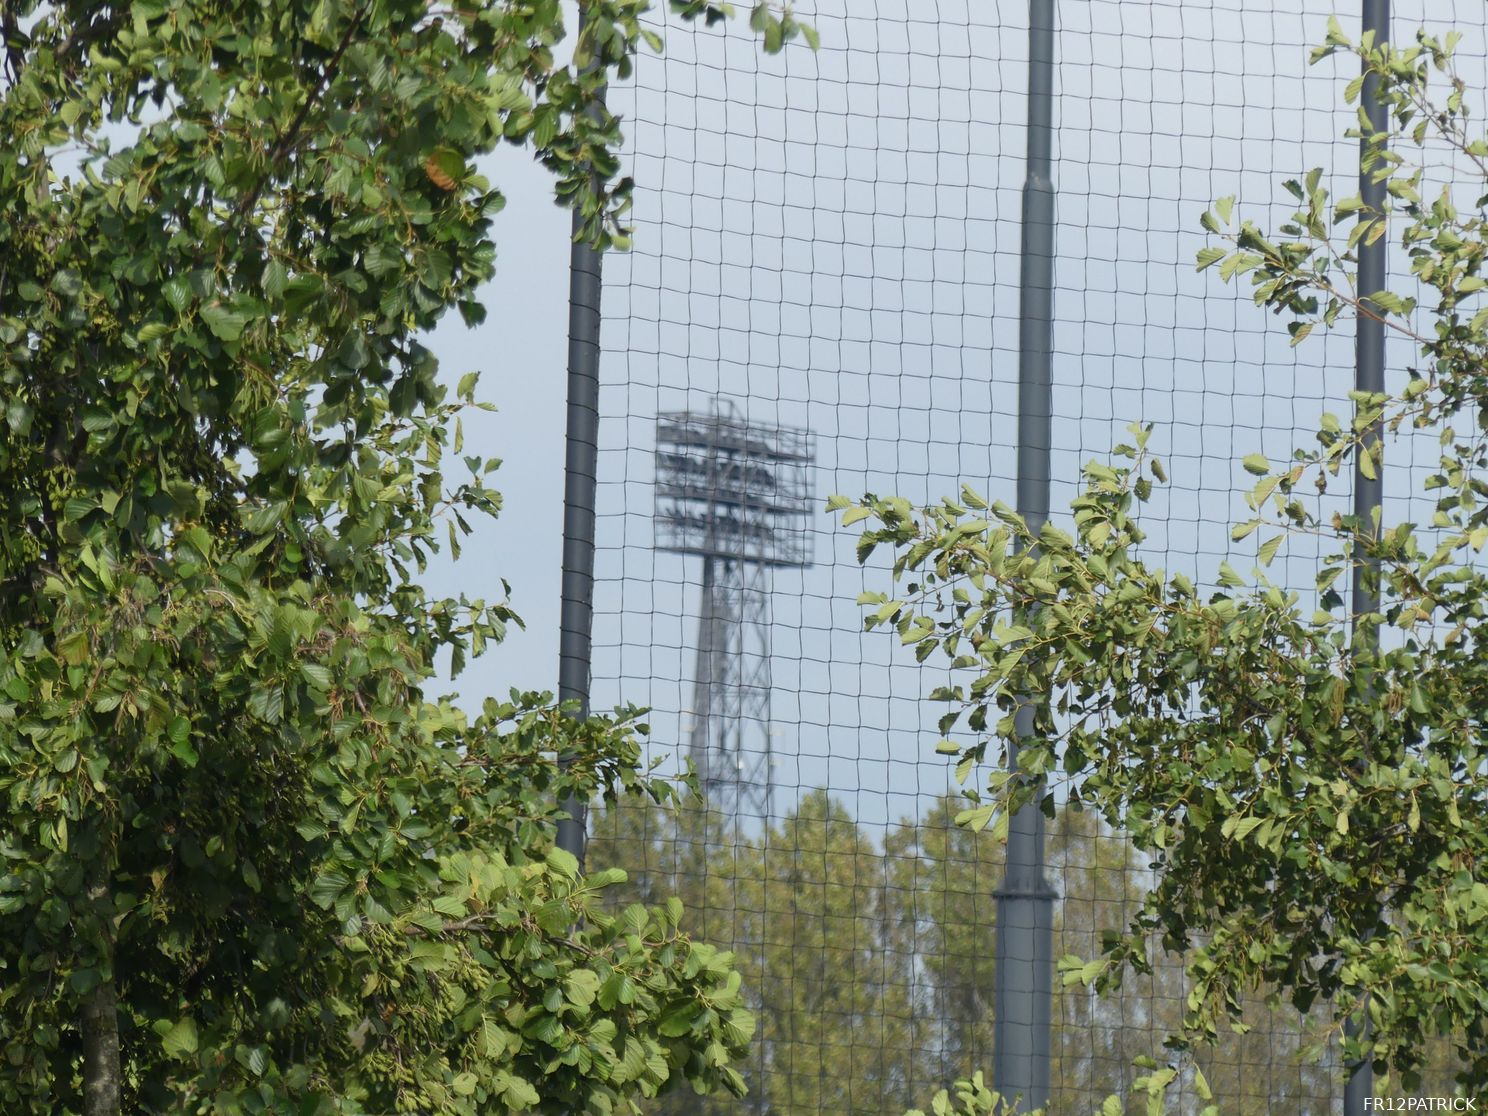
{"x":704,"y":686}
{"x":580,"y":478}
{"x":1025,"y":901}
{"x":1369,"y":375}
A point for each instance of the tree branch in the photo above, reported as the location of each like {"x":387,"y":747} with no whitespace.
{"x":292,"y":133}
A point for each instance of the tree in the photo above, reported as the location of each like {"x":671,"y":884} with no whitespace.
{"x":249,"y":865}
{"x":1308,"y":780}
{"x":680,"y":850}
{"x":835,"y":1004}
{"x":805,"y":907}
{"x":846,"y":1029}
{"x":1103,"y":1044}
{"x":870,"y":968}
{"x":941,"y":893}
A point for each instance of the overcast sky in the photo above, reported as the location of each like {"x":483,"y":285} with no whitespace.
{"x":831,"y":241}
{"x":520,"y":351}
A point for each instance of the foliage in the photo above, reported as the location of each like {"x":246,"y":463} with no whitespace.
{"x":803,"y":906}
{"x":971,"y":1098}
{"x":1307,"y":780}
{"x":240,"y":842}
{"x":941,"y":897}
{"x":868,"y":963}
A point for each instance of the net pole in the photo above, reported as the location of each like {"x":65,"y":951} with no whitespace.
{"x":1025,"y":901}
{"x":580,"y":479}
{"x":706,"y":686}
{"x":1369,"y":376}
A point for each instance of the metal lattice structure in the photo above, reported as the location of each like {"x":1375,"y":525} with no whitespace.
{"x":737,"y":496}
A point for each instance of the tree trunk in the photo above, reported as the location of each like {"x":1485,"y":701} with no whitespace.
{"x":101,"y":1071}
{"x":101,"y":1051}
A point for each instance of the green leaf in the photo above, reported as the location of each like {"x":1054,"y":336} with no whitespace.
{"x":177,"y":293}
{"x":180,"y":1041}
{"x":582,"y":987}
{"x":976,"y":818}
{"x":1239,"y":828}
{"x":520,"y":1095}
{"x":1201,"y":1085}
{"x":226,"y":324}
{"x":184,"y":751}
{"x":74,"y":648}
{"x":1208,"y":257}
{"x":18,"y":417}
{"x":617,"y":989}
{"x":564,"y":863}
{"x":678,"y":1021}
{"x":327,"y":888}
{"x":1256,"y":463}
{"x":317,"y":676}
{"x":275,"y":278}
{"x":493,"y":1040}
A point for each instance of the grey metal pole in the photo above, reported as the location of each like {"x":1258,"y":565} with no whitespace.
{"x":1369,"y":343}
{"x":1369,"y":375}
{"x":580,"y":478}
{"x":1025,"y":901}
{"x":705,"y":687}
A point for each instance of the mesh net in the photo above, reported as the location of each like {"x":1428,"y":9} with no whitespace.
{"x":829,"y":242}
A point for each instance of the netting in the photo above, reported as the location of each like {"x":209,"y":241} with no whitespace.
{"x":829,"y":242}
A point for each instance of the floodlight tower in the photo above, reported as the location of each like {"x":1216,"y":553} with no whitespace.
{"x":736,"y":494}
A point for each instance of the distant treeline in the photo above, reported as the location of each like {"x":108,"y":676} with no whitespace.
{"x":869,"y":962}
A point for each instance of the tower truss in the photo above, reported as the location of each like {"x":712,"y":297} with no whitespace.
{"x":737,"y":495}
